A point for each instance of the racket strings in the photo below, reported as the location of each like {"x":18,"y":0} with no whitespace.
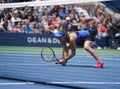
{"x":48,"y":54}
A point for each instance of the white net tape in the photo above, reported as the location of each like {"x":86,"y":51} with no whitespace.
{"x":46,"y":3}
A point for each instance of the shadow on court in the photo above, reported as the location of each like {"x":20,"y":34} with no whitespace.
{"x":38,"y":84}
{"x":87,"y":66}
{"x":68,"y":86}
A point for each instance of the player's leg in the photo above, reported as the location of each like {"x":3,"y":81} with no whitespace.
{"x":87,"y":47}
{"x":65,"y":53}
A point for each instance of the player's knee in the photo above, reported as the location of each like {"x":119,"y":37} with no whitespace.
{"x":86,"y":47}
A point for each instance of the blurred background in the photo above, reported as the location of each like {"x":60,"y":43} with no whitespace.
{"x":36,"y":19}
{"x":24,"y":31}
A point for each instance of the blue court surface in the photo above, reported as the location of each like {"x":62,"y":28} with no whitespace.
{"x":29,"y":71}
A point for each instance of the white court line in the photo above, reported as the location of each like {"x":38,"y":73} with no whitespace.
{"x":36,"y":55}
{"x":116,"y":83}
{"x":110,"y":58}
{"x":17,"y":64}
{"x":85,"y":56}
{"x":24,"y":64}
{"x":30,"y":83}
{"x":20,"y":83}
{"x":104,"y":58}
{"x":20,"y":64}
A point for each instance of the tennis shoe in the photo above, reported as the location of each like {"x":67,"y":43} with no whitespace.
{"x":63,"y":62}
{"x":58,"y":61}
{"x":99,"y":65}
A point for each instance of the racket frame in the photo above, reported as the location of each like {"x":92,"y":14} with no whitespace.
{"x":54,"y":56}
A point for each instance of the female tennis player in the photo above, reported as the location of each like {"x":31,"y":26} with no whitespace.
{"x":69,"y":41}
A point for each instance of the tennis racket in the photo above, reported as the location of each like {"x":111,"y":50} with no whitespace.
{"x":47,"y":54}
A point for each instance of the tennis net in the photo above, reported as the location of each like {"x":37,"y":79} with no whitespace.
{"x":30,"y":66}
